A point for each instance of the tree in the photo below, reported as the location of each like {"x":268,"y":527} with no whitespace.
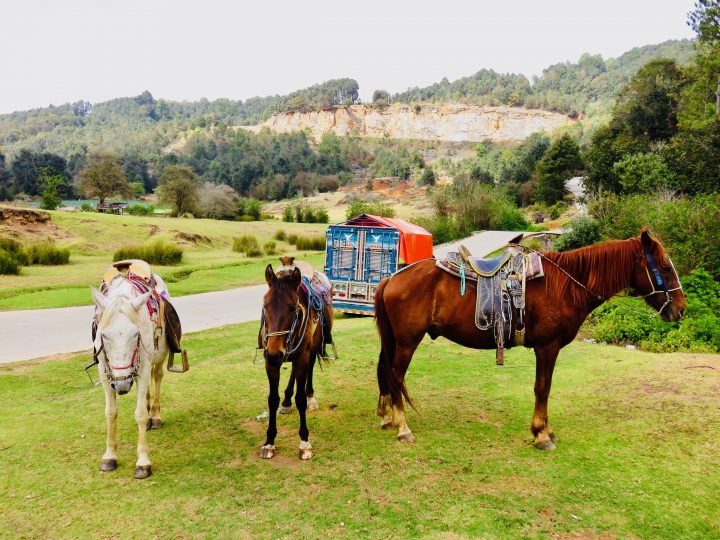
{"x":218,"y":201}
{"x":103,"y":177}
{"x":644,"y":173}
{"x":178,"y":188}
{"x":136,"y":170}
{"x":51,"y":182}
{"x":27,"y":167}
{"x":559,"y":163}
{"x":381,"y":98}
{"x":648,"y":106}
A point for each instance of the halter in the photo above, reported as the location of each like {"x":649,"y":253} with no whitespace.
{"x":108,"y":368}
{"x":659,"y":280}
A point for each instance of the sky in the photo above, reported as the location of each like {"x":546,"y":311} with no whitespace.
{"x":59,"y":51}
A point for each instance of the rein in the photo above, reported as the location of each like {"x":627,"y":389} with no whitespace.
{"x":301,"y":317}
{"x":108,"y":368}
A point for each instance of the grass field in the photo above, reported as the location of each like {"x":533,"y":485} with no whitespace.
{"x":637,"y":456}
{"x":93,"y":238}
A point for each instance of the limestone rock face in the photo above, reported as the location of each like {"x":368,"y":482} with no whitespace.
{"x":446,"y":122}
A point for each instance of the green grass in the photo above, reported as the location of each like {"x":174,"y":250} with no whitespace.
{"x":92,"y":239}
{"x":637,"y":455}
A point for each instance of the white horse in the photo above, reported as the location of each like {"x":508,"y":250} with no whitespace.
{"x":127,"y":352}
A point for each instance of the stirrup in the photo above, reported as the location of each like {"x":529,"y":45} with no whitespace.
{"x":185,"y":363}
{"x":334,"y":356}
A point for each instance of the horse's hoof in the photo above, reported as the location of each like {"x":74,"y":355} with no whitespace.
{"x":142,"y":472}
{"x":406,"y":437}
{"x":286,"y":410}
{"x":267,"y":451}
{"x":386,"y":425}
{"x":545,"y":445}
{"x":108,"y":465}
{"x":553,"y":437}
{"x":154,"y":423}
{"x":305,"y":451}
{"x":312,"y":404}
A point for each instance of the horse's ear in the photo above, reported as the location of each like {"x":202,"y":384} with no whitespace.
{"x":100,"y":300}
{"x":296,"y":277}
{"x":270,"y":276}
{"x":645,"y":239}
{"x":140,"y":301}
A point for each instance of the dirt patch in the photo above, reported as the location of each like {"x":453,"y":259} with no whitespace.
{"x":192,"y":238}
{"x":22,"y":222}
{"x":154,"y":229}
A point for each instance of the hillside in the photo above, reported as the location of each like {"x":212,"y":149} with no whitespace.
{"x":146,"y":126}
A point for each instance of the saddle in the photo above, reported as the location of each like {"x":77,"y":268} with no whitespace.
{"x":161,"y":309}
{"x":500,"y":291}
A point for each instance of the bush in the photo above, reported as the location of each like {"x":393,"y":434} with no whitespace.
{"x":292,"y":239}
{"x":557,"y":209}
{"x":245,"y":243}
{"x":46,"y":253}
{"x":287,"y":215}
{"x":254,"y":251}
{"x":305,"y":243}
{"x":270,"y":248}
{"x":87,"y":207}
{"x":280,"y":235}
{"x":156,"y":253}
{"x":358,"y":207}
{"x":442,"y":228}
{"x":581,"y":231}
{"x":141,"y":209}
{"x":698,"y":331}
{"x":250,"y":207}
{"x":12,"y":257}
{"x":427,"y":178}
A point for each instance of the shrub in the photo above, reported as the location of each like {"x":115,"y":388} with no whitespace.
{"x":46,"y":253}
{"x":87,"y":207}
{"x":250,"y":207}
{"x":141,"y":209}
{"x":557,"y":209}
{"x":305,"y":243}
{"x":156,"y":253}
{"x":280,"y":235}
{"x":12,"y":257}
{"x":243,"y":243}
{"x":322,"y":216}
{"x":358,"y":207}
{"x":287,"y":215}
{"x":581,"y":231}
{"x":270,"y":248}
{"x":292,"y":239}
{"x":427,"y":178}
{"x":253,"y":251}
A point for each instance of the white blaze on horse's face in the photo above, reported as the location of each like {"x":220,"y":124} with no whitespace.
{"x":119,"y":336}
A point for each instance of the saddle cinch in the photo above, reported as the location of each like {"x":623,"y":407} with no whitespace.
{"x":167,"y":320}
{"x":500,"y":290}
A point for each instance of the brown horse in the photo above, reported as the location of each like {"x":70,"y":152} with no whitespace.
{"x":425,"y":299}
{"x":292,"y":330}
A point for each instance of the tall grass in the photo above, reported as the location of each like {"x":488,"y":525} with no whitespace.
{"x":156,"y":253}
{"x":308,"y":243}
{"x":248,"y":245}
{"x":46,"y":253}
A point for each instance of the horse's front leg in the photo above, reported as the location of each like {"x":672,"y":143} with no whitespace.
{"x":301,"y":404}
{"x":273,"y":374}
{"x":312,"y":403}
{"x":143,"y":467}
{"x":286,"y":407}
{"x":155,"y":421}
{"x":109,"y":459}
{"x":545,"y":358}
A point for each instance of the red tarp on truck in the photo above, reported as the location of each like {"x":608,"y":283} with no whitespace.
{"x":415,"y":242}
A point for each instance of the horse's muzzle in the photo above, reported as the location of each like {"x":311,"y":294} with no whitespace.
{"x":275,"y":359}
{"x":122,"y":387}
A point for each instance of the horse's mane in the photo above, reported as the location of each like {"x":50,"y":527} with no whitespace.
{"x":604,"y":268}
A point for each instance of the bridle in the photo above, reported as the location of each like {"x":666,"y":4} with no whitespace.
{"x":300,"y":321}
{"x":659,"y":281}
{"x":134,"y":364}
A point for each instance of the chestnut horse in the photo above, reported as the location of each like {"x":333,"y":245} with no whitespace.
{"x":425,"y":299}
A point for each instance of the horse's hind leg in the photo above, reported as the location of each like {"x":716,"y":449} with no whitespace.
{"x":312,"y":403}
{"x":273,"y":374}
{"x":384,"y":406}
{"x":155,"y":421}
{"x":403,"y":356}
{"x":286,"y":406}
{"x":545,"y":358}
{"x":109,"y":459}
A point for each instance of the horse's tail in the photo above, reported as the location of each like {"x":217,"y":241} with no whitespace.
{"x":386,"y":381}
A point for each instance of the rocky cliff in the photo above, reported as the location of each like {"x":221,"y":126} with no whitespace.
{"x":447,"y":122}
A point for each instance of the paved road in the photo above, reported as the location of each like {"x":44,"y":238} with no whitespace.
{"x":25,"y":335}
{"x":480,"y":244}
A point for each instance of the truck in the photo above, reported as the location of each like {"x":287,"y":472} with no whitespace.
{"x":364,"y":250}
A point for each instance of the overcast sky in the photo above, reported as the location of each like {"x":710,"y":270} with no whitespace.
{"x":58,"y":51}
